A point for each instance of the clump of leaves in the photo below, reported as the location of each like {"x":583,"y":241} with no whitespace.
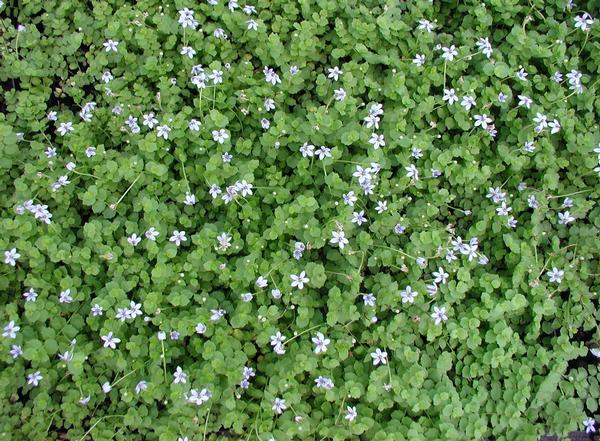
{"x":322,"y":220}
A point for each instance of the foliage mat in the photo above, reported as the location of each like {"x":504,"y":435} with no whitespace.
{"x":299,"y":219}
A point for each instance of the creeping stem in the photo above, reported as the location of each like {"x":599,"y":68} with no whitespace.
{"x":114,"y":206}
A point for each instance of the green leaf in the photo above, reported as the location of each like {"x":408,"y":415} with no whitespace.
{"x":501,"y":70}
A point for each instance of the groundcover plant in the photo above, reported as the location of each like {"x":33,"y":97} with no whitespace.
{"x":299,"y":220}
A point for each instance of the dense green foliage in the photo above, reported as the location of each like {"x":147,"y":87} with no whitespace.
{"x":384,"y":214}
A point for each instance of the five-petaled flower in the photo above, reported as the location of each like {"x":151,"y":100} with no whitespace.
{"x":324,"y":383}
{"x":65,"y":127}
{"x":220,"y":135}
{"x":584,"y":21}
{"x":555,"y":275}
{"x":426,"y":25}
{"x":320,"y":342}
{"x":11,"y":256}
{"x":440,"y":276}
{"x":482,"y":120}
{"x":351,"y":413}
{"x":179,"y":376}
{"x":589,"y":425}
{"x":450,"y":96}
{"x":163,"y":131}
{"x":439,"y":314}
{"x":110,"y":341}
{"x":565,"y":218}
{"x":379,"y":356}
{"x":134,"y":239}
{"x":334,"y":73}
{"x":224,"y":240}
{"x":178,"y":237}
{"x":299,"y":280}
{"x":412,"y":172}
{"x":65,"y":296}
{"x":10,"y":330}
{"x":199,"y":397}
{"x":449,"y":53}
{"x":339,"y":94}
{"x":339,"y":238}
{"x":279,"y":405}
{"x":408,"y":295}
{"x":30,"y":295}
{"x":141,"y":386}
{"x":110,"y":45}
{"x":419,"y":60}
{"x":35,"y":378}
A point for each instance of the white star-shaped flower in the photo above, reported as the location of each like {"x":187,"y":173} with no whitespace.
{"x":408,"y":295}
{"x":339,"y":238}
{"x":482,"y":120}
{"x":379,"y":356}
{"x":163,"y":131}
{"x":351,"y":413}
{"x":11,"y":256}
{"x":555,"y":275}
{"x":220,"y":136}
{"x":299,"y":280}
{"x":377,"y":140}
{"x":110,"y":341}
{"x":178,"y":237}
{"x":426,"y":25}
{"x":321,"y":343}
{"x":339,"y":94}
{"x":450,"y":96}
{"x":565,"y":218}
{"x":34,"y":379}
{"x":439,"y":314}
{"x":440,"y":276}
{"x":334,"y":73}
{"x":134,"y":239}
{"x":412,"y":172}
{"x":419,"y":60}
{"x":10,"y":330}
{"x":279,"y":405}
{"x":151,"y":233}
{"x":179,"y":376}
{"x":110,"y":45}
{"x":449,"y":53}
{"x":583,"y":21}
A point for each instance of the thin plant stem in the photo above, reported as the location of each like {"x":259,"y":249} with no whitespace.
{"x":340,"y":411}
{"x":52,"y":419}
{"x":97,"y":422}
{"x":303,"y":332}
{"x":187,"y":184}
{"x":325,"y":172}
{"x":84,"y":174}
{"x":347,"y":276}
{"x":445,"y":66}
{"x":570,"y":194}
{"x":47,"y":139}
{"x":114,"y":206}
{"x":123,"y":377}
{"x":587,"y":36}
{"x":398,"y":251}
{"x":469,"y":56}
{"x":206,"y":423}
{"x":200,"y":104}
{"x":162,"y":344}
